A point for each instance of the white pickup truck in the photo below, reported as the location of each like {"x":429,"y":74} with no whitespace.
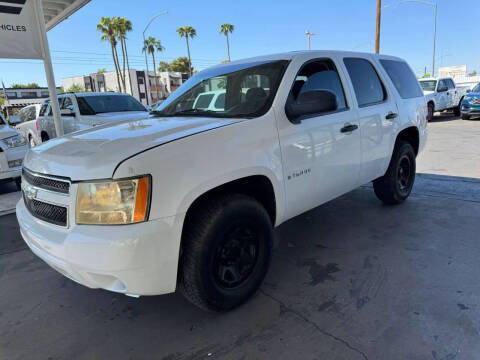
{"x":442,"y":94}
{"x":80,"y":111}
{"x":190,"y":197}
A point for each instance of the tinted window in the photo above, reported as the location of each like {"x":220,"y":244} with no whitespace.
{"x":67,"y":104}
{"x":451,"y":84}
{"x":43,"y":109}
{"x":442,"y":84}
{"x":220,"y":102}
{"x":366,"y":83}
{"x":203,"y":101}
{"x":91,"y":105}
{"x":319,"y":75}
{"x":31,"y":113}
{"x":403,"y":78}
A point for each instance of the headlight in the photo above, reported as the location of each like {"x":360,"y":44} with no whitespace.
{"x":466,"y":100}
{"x":15,"y":141}
{"x":113,"y":202}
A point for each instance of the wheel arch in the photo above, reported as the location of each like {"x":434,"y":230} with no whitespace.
{"x":411,"y":135}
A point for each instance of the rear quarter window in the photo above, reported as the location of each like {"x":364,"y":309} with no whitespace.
{"x":368,"y":87}
{"x":402,"y":78}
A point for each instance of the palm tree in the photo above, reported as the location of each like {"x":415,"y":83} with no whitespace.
{"x":109,"y":33}
{"x":186,"y":32}
{"x":123,"y":26}
{"x":225,"y":29}
{"x":150,"y":46}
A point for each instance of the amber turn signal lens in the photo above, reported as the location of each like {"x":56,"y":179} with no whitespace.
{"x":141,"y":200}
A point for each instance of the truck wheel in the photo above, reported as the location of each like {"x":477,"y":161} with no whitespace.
{"x":226,"y":251}
{"x":465,"y":117}
{"x":456,"y":110}
{"x":430,"y":112}
{"x":395,"y":186}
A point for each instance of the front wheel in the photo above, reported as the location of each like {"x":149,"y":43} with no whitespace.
{"x":226,"y":251}
{"x":430,"y":112}
{"x":465,"y":117}
{"x":456,"y":110}
{"x":397,"y":183}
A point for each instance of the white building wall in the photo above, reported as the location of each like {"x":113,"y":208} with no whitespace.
{"x":74,"y":80}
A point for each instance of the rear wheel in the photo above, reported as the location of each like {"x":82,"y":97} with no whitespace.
{"x":456,"y":110}
{"x":430,"y":112}
{"x":397,"y":183}
{"x":45,"y":137}
{"x":226,"y":251}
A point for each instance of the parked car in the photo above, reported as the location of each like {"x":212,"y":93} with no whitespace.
{"x":442,"y":94}
{"x":471,"y":103}
{"x":190,"y":197}
{"x":82,"y":111}
{"x":13,"y":147}
{"x":28,"y":124}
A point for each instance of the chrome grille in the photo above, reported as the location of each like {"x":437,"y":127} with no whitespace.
{"x":475,"y":101}
{"x":53,"y":214}
{"x":46,"y":183}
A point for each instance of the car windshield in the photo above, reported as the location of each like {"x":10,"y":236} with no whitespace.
{"x":95,"y":104}
{"x":229,"y":91}
{"x":476,"y":89}
{"x":428,"y":85}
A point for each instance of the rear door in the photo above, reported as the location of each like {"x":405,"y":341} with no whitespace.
{"x":377,"y":112}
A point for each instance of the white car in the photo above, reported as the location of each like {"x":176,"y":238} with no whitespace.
{"x":28,"y":124}
{"x":13,"y":147}
{"x":82,"y":111}
{"x":191,"y":197}
{"x":442,"y":94}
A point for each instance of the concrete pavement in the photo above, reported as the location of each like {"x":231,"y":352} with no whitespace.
{"x":352,"y":279}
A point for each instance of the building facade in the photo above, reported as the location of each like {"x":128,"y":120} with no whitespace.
{"x":147,"y":92}
{"x":18,"y":98}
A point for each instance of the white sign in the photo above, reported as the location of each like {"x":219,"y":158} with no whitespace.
{"x":19,"y":30}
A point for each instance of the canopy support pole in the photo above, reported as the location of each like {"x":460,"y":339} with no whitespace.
{"x":47,"y":62}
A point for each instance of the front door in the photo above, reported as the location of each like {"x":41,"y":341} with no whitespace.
{"x":321,"y":152}
{"x":442,"y":99}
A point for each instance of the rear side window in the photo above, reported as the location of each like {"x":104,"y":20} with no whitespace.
{"x":369,"y":90}
{"x":403,"y":78}
{"x":43,"y":109}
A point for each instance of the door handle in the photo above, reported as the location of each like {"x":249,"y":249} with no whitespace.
{"x":391,"y":116}
{"x":348,"y":128}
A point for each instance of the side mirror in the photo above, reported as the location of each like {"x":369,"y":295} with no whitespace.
{"x":311,"y":102}
{"x":442,"y":89}
{"x":67,"y":112}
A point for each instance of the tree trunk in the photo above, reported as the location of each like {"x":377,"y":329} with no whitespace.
{"x":128,"y":67}
{"x":119,"y":71}
{"x":123,"y":58}
{"x":228,"y":48}
{"x":189,"y":59}
{"x":116,"y":67}
{"x":155,"y":74}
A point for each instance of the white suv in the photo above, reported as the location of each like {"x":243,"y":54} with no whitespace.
{"x":81,"y":111}
{"x":190,"y":197}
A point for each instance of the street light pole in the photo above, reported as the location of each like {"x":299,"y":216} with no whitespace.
{"x":309,"y":36}
{"x":146,"y":59}
{"x":377,"y":35}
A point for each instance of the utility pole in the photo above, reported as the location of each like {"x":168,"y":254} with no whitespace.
{"x":309,"y":36}
{"x":379,"y":18}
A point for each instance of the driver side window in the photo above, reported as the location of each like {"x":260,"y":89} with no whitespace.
{"x":319,"y":75}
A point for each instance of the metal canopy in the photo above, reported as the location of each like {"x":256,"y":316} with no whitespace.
{"x":55,"y":11}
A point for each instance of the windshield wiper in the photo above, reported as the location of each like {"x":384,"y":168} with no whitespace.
{"x":193,"y":112}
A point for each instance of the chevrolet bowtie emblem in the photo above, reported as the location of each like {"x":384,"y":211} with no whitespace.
{"x":13,"y":10}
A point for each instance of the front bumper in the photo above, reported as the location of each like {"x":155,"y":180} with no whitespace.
{"x":8,"y":155}
{"x":137,"y":259}
{"x":473,"y":110}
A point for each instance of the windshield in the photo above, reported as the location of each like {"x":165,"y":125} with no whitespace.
{"x":476,"y":89}
{"x":91,"y":105}
{"x":428,"y":85}
{"x":230,"y":91}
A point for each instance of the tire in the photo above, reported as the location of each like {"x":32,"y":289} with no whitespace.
{"x":397,"y":183}
{"x":430,"y":112}
{"x":31,"y":141}
{"x":216,"y":272}
{"x":465,"y":117}
{"x":45,"y":137}
{"x":456,"y":110}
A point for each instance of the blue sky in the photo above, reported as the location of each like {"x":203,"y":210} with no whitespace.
{"x":261,"y":27}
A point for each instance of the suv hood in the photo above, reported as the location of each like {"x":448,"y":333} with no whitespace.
{"x":6,"y":132}
{"x":103,"y":118}
{"x":95,"y":153}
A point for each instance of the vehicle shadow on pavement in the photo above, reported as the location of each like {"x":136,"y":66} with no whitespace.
{"x":351,"y":279}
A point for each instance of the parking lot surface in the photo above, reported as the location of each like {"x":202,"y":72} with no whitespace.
{"x":352,"y":279}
